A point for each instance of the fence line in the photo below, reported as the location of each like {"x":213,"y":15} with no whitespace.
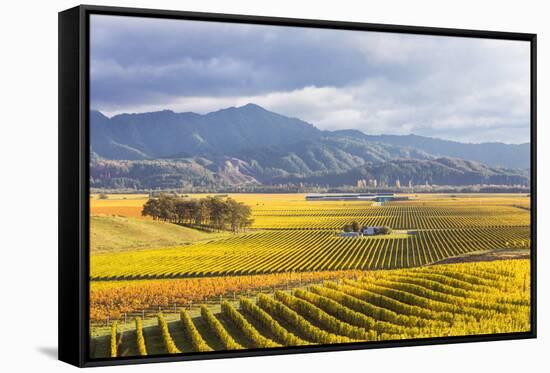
{"x":174,"y":308}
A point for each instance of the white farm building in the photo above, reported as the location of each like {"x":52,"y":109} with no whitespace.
{"x":370,"y":231}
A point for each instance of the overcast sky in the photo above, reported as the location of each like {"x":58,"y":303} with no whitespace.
{"x":463,"y":89}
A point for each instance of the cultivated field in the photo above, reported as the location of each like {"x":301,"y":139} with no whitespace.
{"x":300,"y":282}
{"x":291,"y":234}
{"x":444,"y":300}
{"x":302,"y":250}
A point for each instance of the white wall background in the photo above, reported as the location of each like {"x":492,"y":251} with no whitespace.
{"x":28,"y":185}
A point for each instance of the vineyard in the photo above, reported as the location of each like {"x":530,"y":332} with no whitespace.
{"x":462,"y":214}
{"x":291,"y":279}
{"x":292,"y":211}
{"x":114,"y":299}
{"x":302,"y":250}
{"x":431,"y":301}
{"x":290,"y":234}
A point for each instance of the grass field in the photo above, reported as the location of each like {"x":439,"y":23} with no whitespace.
{"x":443,"y":300}
{"x":110,"y":233}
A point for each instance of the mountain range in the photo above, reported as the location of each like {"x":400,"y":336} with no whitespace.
{"x":250,"y":145}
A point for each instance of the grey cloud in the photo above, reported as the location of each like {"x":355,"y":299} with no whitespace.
{"x":192,"y":58}
{"x":458,"y":88}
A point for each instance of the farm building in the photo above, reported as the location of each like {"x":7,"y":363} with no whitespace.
{"x":370,"y":231}
{"x":384,"y":198}
{"x":365,"y":231}
{"x":378,"y":197}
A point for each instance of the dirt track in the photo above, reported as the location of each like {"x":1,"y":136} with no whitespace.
{"x":489,"y":256}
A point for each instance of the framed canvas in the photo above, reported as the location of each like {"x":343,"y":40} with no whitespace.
{"x":235,"y":186}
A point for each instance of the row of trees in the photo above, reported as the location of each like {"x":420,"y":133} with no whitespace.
{"x":213,"y":212}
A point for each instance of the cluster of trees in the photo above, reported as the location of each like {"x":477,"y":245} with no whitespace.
{"x":353,"y":227}
{"x":213,"y":212}
{"x":356,"y":227}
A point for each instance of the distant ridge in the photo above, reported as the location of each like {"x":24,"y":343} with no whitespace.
{"x":252,"y":145}
{"x":491,"y":153}
{"x":165,"y":133}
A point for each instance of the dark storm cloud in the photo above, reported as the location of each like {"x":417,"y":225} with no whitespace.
{"x":465,"y":89}
{"x":159,"y":57}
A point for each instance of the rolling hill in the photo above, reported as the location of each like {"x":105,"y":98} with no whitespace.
{"x":119,"y":233}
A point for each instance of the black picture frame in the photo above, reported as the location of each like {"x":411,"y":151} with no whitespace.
{"x":74,"y":180}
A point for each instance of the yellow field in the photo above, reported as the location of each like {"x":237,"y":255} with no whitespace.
{"x":434,"y":301}
{"x":113,"y":298}
{"x":118,"y":205}
{"x":131,"y":205}
{"x":290,"y":237}
{"x":292,"y":234}
{"x":302,"y":250}
{"x":292,"y":211}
